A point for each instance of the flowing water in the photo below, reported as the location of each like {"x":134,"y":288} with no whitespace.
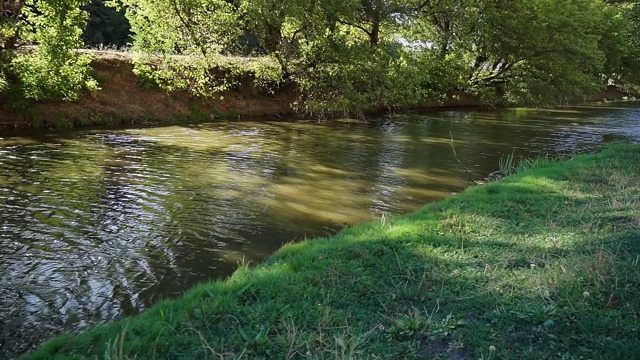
{"x":100,"y":224}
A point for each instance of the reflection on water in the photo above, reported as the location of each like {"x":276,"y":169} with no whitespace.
{"x":96,"y":225}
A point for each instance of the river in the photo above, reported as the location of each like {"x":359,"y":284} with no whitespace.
{"x":103,"y":223}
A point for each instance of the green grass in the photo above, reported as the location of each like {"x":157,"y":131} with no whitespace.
{"x":544,"y":264}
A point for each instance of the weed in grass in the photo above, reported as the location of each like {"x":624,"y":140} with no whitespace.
{"x":530,"y":164}
{"x":114,"y":349}
{"x":507,"y":165}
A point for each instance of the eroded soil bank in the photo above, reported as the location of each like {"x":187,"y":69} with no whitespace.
{"x":124,"y":100}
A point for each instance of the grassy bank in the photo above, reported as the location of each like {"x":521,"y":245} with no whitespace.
{"x":540,"y":265}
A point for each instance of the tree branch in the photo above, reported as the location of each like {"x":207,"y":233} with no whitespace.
{"x":189,"y":28}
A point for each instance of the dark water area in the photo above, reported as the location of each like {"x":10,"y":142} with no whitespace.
{"x":96,"y":225}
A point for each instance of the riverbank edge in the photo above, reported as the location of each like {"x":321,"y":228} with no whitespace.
{"x":124,"y":99}
{"x":540,"y":264}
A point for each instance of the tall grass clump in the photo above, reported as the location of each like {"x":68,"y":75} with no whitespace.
{"x":507,"y":165}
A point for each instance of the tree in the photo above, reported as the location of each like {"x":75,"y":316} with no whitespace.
{"x":356,"y":54}
{"x":106,"y":26}
{"x":522,"y":51}
{"x":622,"y":44}
{"x":52,"y":69}
{"x":10,"y":11}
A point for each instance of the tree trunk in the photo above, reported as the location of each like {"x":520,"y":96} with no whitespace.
{"x":10,"y":11}
{"x":374,"y":35}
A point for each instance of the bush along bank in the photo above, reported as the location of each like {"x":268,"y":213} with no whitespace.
{"x":542,"y":264}
{"x":126,"y":97}
{"x":155,"y":91}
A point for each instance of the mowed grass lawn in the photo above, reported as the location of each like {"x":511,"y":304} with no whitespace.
{"x":544,"y":264}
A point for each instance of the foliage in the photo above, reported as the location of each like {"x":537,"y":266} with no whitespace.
{"x":106,"y":27}
{"x":207,"y":77}
{"x":347,"y":56}
{"x":378,"y":79}
{"x":51,"y":75}
{"x":184,"y":27}
{"x":539,"y":265}
{"x":52,"y":70}
{"x":624,"y":49}
{"x":10,"y":24}
{"x":549,"y":52}
{"x":343,"y":56}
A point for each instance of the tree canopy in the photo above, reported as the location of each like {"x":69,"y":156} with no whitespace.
{"x":343,"y":55}
{"x":352,"y":54}
{"x":106,"y":27}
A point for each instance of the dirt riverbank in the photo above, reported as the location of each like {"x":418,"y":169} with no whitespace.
{"x":122,"y":100}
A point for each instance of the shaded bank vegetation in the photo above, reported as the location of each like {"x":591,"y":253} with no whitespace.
{"x":331,"y":56}
{"x":540,"y":265}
